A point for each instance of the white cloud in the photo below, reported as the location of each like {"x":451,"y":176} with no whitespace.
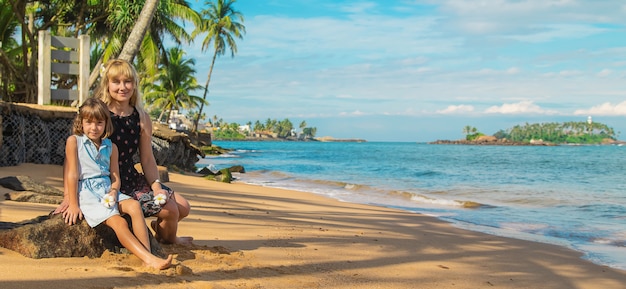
{"x":547,"y":33}
{"x":512,"y":70}
{"x":564,"y":73}
{"x":606,"y":109}
{"x":604,"y":72}
{"x":354,"y":113}
{"x":455,"y":109}
{"x":521,"y":107}
{"x":489,"y":71}
{"x":570,"y":73}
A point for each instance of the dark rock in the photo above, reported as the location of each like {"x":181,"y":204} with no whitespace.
{"x":50,"y":236}
{"x":25,"y":183}
{"x":237,"y":169}
{"x":224,"y":176}
{"x":28,"y":190}
{"x":206,"y":171}
{"x":33,"y":197}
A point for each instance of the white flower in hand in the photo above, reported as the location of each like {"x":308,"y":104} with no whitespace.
{"x":108,"y":201}
{"x":160,"y":199}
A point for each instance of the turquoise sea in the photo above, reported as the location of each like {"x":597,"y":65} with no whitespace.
{"x":573,"y":196}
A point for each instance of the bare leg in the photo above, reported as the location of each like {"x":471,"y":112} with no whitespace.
{"x":133,"y":209}
{"x":183,"y":206}
{"x":166,"y":224}
{"x":130,"y":242}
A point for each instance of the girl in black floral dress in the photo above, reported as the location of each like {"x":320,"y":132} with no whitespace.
{"x":133,"y":135}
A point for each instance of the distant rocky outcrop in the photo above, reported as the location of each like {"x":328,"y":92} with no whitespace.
{"x":332,"y":139}
{"x":492,"y":140}
{"x":36,"y":134}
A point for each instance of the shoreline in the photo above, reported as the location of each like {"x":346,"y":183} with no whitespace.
{"x":249,"y":236}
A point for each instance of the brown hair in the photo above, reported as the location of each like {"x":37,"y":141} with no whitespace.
{"x":93,"y":108}
{"x":116,"y":68}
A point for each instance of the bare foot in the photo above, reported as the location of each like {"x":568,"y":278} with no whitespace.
{"x":187,"y":241}
{"x":161,"y":264}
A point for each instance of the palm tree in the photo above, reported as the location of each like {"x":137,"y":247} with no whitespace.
{"x":468,"y":129}
{"x":258,"y":126}
{"x":131,"y":46}
{"x":270,"y":124}
{"x":222,"y":23}
{"x":160,"y":20}
{"x":9,"y":48}
{"x":175,"y":82}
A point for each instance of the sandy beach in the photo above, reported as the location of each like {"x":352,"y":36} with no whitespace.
{"x":257,"y":237}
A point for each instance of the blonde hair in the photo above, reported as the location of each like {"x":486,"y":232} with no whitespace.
{"x":93,"y":108}
{"x":117,"y":68}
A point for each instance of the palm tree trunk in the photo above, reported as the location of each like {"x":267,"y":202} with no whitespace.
{"x":206,"y":89}
{"x":131,"y":46}
{"x":162,"y":113}
{"x":95,"y":73}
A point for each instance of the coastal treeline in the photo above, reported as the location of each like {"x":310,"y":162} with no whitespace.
{"x":270,"y":128}
{"x":554,"y":132}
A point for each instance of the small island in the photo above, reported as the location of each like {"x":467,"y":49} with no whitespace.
{"x":541,"y":134}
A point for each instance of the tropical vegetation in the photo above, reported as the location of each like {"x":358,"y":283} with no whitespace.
{"x":222,"y":23}
{"x":174,"y":82}
{"x":137,"y":30}
{"x":560,"y":133}
{"x":471,"y":133}
{"x":270,"y":129}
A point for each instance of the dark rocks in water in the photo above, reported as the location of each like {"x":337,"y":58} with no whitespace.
{"x":224,"y":175}
{"x":206,"y":171}
{"x":237,"y":169}
{"x":50,"y":236}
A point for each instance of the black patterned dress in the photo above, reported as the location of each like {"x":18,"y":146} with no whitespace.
{"x":126,"y":135}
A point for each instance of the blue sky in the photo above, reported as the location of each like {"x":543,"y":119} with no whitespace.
{"x":421,"y":70}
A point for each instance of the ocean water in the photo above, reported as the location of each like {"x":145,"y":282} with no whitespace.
{"x":572,"y":196}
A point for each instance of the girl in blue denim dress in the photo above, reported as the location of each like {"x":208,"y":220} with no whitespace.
{"x":91,"y":178}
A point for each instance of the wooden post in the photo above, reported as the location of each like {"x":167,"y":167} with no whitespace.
{"x":83,"y":71}
{"x":44,"y":68}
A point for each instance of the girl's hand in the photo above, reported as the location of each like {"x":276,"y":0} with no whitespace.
{"x":63,"y":206}
{"x":72,"y":214}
